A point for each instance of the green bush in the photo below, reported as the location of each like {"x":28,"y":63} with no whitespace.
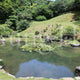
{"x":69,"y":30}
{"x":40,"y":18}
{"x":36,"y":32}
{"x":79,"y":18}
{"x":55,"y":31}
{"x":37,"y":47}
{"x":5,"y":31}
{"x":45,"y":29}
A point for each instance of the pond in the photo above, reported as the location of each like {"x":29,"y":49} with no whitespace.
{"x":56,"y":65}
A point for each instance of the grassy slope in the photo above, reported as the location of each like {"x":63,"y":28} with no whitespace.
{"x":64,"y":20}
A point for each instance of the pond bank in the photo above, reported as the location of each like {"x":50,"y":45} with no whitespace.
{"x":4,"y":75}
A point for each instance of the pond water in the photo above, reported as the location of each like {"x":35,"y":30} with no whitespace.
{"x":59,"y":64}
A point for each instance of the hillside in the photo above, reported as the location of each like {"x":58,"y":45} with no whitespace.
{"x":64,"y":20}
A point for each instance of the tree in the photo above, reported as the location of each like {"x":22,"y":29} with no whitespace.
{"x":5,"y":11}
{"x":25,"y":15}
{"x":42,"y":10}
{"x":77,"y":4}
{"x":61,"y":6}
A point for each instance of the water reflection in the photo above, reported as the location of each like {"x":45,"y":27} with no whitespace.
{"x":43,"y":69}
{"x":53,"y":65}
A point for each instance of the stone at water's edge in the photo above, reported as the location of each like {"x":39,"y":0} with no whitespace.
{"x":1,"y":63}
{"x":77,"y":71}
{"x":75,"y":45}
{"x":78,"y":67}
{"x":1,"y":67}
{"x":77,"y":78}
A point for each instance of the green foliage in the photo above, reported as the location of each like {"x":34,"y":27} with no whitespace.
{"x":12,"y":22}
{"x":79,"y":18}
{"x":2,"y":63}
{"x":5,"y":31}
{"x":22,"y":25}
{"x":26,"y":14}
{"x":61,"y":6}
{"x":56,"y":30}
{"x":68,"y":30}
{"x":71,"y":30}
{"x":42,"y":10}
{"x":40,"y":18}
{"x":26,"y":9}
{"x":37,"y":47}
{"x":17,"y":14}
{"x":36,"y":32}
{"x":45,"y":29}
{"x":6,"y":10}
{"x":77,"y":4}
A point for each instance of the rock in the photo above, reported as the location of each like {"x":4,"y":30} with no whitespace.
{"x":3,"y":40}
{"x":77,"y":71}
{"x":78,"y":67}
{"x":76,"y":19}
{"x":77,"y":78}
{"x":48,"y":40}
{"x":1,"y":67}
{"x":75,"y":45}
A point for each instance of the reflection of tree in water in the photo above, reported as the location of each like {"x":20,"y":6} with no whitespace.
{"x":13,"y":57}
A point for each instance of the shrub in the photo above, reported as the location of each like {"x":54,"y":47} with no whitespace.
{"x":36,"y":32}
{"x":55,"y":31}
{"x":68,"y":30}
{"x":5,"y":31}
{"x":45,"y":29}
{"x":79,"y":18}
{"x":40,"y":18}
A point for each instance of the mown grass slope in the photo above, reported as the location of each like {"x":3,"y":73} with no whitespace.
{"x":64,"y":20}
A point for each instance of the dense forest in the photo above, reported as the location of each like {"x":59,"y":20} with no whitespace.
{"x":17,"y":14}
